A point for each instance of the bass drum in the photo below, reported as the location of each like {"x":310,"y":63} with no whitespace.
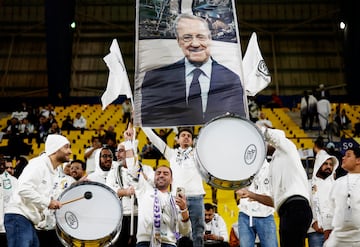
{"x":229,"y":151}
{"x":92,"y":215}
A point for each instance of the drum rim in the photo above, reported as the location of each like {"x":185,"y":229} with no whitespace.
{"x":115,"y":233}
{"x":235,"y":184}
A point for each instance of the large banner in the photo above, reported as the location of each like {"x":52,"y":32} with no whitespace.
{"x":188,"y":62}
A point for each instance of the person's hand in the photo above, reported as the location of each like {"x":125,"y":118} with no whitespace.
{"x":326,"y":234}
{"x":180,"y":200}
{"x":243,"y":193}
{"x":317,"y":228}
{"x":129,"y":133}
{"x":54,"y":204}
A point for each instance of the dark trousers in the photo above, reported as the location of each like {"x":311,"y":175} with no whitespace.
{"x":124,"y":238}
{"x":3,"y":241}
{"x":295,"y":218}
{"x":48,"y":238}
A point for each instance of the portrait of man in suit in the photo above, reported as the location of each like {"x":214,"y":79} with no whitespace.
{"x":195,"y":89}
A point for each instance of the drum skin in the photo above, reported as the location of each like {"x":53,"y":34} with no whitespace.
{"x":229,"y":151}
{"x":94,"y":221}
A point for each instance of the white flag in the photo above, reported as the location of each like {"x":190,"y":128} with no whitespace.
{"x":256,"y":73}
{"x":118,"y":81}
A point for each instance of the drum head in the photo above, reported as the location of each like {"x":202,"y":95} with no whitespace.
{"x":93,"y":218}
{"x":229,"y":151}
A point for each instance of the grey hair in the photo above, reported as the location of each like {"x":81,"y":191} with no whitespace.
{"x":190,"y":17}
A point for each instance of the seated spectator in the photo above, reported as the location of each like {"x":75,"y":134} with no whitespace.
{"x":343,"y":120}
{"x":47,"y":110}
{"x":27,"y":130}
{"x":42,"y":130}
{"x":149,"y":151}
{"x":54,"y":129}
{"x":77,"y":169}
{"x":79,"y":122}
{"x":16,"y":145}
{"x":215,"y":228}
{"x":263,"y":121}
{"x":68,"y":123}
{"x":20,"y":115}
{"x":12,"y":128}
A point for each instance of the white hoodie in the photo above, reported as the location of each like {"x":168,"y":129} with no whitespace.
{"x":99,"y":175}
{"x":320,"y":190}
{"x":35,"y":187}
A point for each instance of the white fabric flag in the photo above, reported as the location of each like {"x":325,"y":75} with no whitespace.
{"x":256,"y":73}
{"x":118,"y":81}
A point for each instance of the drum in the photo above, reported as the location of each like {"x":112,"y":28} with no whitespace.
{"x":229,"y":151}
{"x":91,"y":215}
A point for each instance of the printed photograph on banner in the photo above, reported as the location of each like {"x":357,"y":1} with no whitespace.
{"x":188,"y":63}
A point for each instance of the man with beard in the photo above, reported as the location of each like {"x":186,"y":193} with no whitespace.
{"x":33,"y":195}
{"x":103,"y":164}
{"x":162,"y":217}
{"x":321,"y":183}
{"x":122,"y":179}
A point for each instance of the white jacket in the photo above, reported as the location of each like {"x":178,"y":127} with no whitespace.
{"x":320,"y":190}
{"x":127,"y":179}
{"x":345,"y":223}
{"x":145,"y":196}
{"x":182,"y":163}
{"x":8,"y":185}
{"x":99,"y":175}
{"x":35,"y":187}
{"x":218,"y":227}
{"x":288,"y":176}
{"x":260,"y":185}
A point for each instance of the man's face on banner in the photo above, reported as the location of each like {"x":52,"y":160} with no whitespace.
{"x":194,"y":40}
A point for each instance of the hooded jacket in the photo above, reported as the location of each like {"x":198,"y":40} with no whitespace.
{"x":99,"y":175}
{"x":320,"y":190}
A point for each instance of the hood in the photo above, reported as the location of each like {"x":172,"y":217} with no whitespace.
{"x":321,"y":157}
{"x":97,"y":161}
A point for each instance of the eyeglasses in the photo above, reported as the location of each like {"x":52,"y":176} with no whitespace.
{"x":328,"y":163}
{"x":10,"y":167}
{"x":190,"y":38}
{"x":105,"y":156}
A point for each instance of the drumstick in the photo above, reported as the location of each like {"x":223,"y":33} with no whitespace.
{"x":87,"y":195}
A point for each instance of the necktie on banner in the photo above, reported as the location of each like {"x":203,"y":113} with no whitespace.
{"x":194,"y":99}
{"x":256,"y":73}
{"x":118,"y":81}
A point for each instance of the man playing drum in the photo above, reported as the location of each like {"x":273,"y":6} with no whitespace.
{"x":33,"y":195}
